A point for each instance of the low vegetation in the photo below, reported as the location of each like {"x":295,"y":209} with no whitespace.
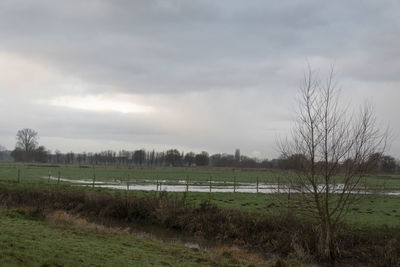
{"x":282,"y":234}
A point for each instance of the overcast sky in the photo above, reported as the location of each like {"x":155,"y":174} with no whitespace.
{"x":187,"y":74}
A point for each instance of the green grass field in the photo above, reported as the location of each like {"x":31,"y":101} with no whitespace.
{"x":369,"y":210}
{"x":28,"y":239}
{"x":37,"y":173}
{"x":102,"y":173}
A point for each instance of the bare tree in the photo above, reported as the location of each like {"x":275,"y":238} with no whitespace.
{"x":27,"y":142}
{"x":336,"y":151}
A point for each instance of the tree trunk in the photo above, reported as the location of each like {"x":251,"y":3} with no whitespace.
{"x":327,"y":241}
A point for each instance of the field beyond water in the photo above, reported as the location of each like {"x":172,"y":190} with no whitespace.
{"x":39,"y":172}
{"x":262,"y":226}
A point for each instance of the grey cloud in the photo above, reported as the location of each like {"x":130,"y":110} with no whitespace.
{"x":164,"y":46}
{"x":226,"y":71}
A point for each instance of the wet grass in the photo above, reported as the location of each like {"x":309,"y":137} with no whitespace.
{"x":29,"y":239}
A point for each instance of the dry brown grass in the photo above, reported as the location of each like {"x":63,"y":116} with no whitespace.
{"x":238,"y":254}
{"x":60,"y":218}
{"x":300,"y":249}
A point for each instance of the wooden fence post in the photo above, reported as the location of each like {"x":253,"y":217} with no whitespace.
{"x":210,"y":182}
{"x":365,"y":185}
{"x":278,"y":185}
{"x":257,"y":184}
{"x":59,"y":177}
{"x":19,"y":175}
{"x":94,"y":176}
{"x":234,"y":184}
{"x":289,"y":197}
{"x":187,"y":183}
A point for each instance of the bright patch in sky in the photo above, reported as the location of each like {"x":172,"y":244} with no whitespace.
{"x":102,"y":103}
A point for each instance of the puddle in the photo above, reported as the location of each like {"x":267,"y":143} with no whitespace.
{"x":204,"y":186}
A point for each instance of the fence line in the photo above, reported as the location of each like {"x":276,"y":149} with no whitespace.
{"x":253,"y":184}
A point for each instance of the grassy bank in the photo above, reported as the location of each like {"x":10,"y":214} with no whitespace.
{"x":29,"y":238}
{"x":282,"y":235}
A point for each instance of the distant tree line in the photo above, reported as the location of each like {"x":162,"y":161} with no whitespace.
{"x":175,"y":158}
{"x":141,"y":157}
{"x":374,"y":164}
{"x":28,"y":150}
{"x":5,"y":155}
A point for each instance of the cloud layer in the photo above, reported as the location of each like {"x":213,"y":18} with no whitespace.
{"x":216,"y":75}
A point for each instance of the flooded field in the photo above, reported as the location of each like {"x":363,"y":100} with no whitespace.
{"x":203,"y":186}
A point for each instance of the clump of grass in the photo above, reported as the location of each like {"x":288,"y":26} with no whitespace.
{"x":60,"y":218}
{"x":238,"y":253}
